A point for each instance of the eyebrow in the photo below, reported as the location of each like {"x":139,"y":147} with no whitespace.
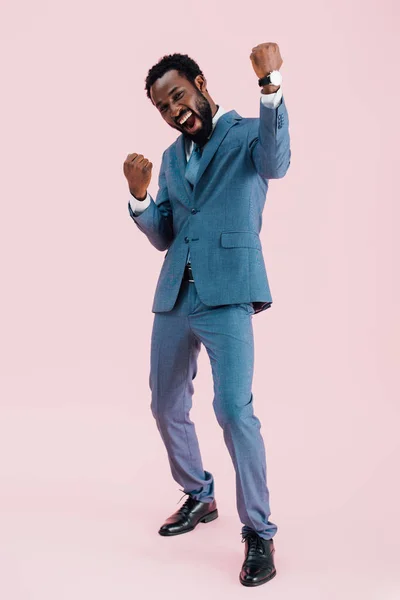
{"x":169,"y":94}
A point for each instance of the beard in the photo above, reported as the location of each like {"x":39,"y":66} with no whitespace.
{"x":204,"y":113}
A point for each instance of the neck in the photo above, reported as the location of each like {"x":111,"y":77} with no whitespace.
{"x":214,"y":109}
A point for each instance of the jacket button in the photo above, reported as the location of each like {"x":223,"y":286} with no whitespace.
{"x":186,"y":239}
{"x":194,"y":211}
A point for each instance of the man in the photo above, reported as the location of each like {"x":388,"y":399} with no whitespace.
{"x":212,"y":188}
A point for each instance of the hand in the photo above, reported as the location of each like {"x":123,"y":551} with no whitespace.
{"x":137,"y":170}
{"x":266,"y":58}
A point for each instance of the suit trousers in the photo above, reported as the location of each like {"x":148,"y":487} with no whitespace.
{"x":226,"y":331}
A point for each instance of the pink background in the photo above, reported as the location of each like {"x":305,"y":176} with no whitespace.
{"x":85,"y":482}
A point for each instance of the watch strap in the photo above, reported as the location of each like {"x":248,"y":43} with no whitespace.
{"x":266,"y":80}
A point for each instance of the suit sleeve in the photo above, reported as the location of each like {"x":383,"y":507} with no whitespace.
{"x":156,"y":221}
{"x":270,"y":145}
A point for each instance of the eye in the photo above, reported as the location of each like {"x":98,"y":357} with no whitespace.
{"x":178,"y":95}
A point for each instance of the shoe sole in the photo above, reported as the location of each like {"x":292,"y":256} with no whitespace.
{"x":206,"y":519}
{"x":247,"y":584}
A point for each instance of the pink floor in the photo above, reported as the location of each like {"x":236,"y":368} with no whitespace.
{"x":85,"y":486}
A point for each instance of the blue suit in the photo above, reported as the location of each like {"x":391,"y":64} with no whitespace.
{"x":219,"y":220}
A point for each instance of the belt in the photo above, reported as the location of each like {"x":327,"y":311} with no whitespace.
{"x":188,"y":274}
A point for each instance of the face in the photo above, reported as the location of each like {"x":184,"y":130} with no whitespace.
{"x":174,"y":96}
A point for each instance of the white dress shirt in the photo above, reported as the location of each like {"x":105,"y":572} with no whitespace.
{"x":269,"y":100}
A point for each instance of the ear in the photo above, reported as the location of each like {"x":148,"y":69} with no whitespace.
{"x":201,"y":83}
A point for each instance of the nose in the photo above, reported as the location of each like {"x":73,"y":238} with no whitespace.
{"x":175,"y":112}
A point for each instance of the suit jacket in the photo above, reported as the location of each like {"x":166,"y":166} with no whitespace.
{"x":220,"y":218}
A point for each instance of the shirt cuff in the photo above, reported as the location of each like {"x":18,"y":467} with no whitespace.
{"x":138,"y":206}
{"x":272,"y":100}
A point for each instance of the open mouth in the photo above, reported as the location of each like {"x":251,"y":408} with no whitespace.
{"x":188,"y":121}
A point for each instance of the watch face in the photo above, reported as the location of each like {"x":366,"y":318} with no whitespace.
{"x":275,"y":78}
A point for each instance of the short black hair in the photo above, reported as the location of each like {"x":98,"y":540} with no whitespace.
{"x":186,"y":66}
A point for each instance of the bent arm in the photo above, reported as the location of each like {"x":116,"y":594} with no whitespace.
{"x":155,"y":219}
{"x":270,"y":145}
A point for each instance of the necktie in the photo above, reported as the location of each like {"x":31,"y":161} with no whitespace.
{"x":193,"y":165}
{"x":191,"y":170}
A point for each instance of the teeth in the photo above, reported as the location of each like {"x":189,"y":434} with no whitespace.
{"x":185,"y":118}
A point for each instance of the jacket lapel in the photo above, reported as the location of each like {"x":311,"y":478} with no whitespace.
{"x":222,"y":127}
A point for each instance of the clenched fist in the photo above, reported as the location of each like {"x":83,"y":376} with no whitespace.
{"x":137,"y":170}
{"x":266,"y":58}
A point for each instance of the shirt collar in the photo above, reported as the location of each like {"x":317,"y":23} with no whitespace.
{"x":217,"y":115}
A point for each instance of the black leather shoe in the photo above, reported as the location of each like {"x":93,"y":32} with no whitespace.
{"x":258,"y":566}
{"x":188,"y":516}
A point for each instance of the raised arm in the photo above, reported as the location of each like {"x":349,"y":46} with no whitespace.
{"x":156,"y":220}
{"x":269,"y":145}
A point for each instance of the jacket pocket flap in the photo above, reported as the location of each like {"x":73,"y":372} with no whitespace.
{"x":240,"y":239}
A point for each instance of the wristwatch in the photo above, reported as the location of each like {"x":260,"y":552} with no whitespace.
{"x":273,"y":78}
